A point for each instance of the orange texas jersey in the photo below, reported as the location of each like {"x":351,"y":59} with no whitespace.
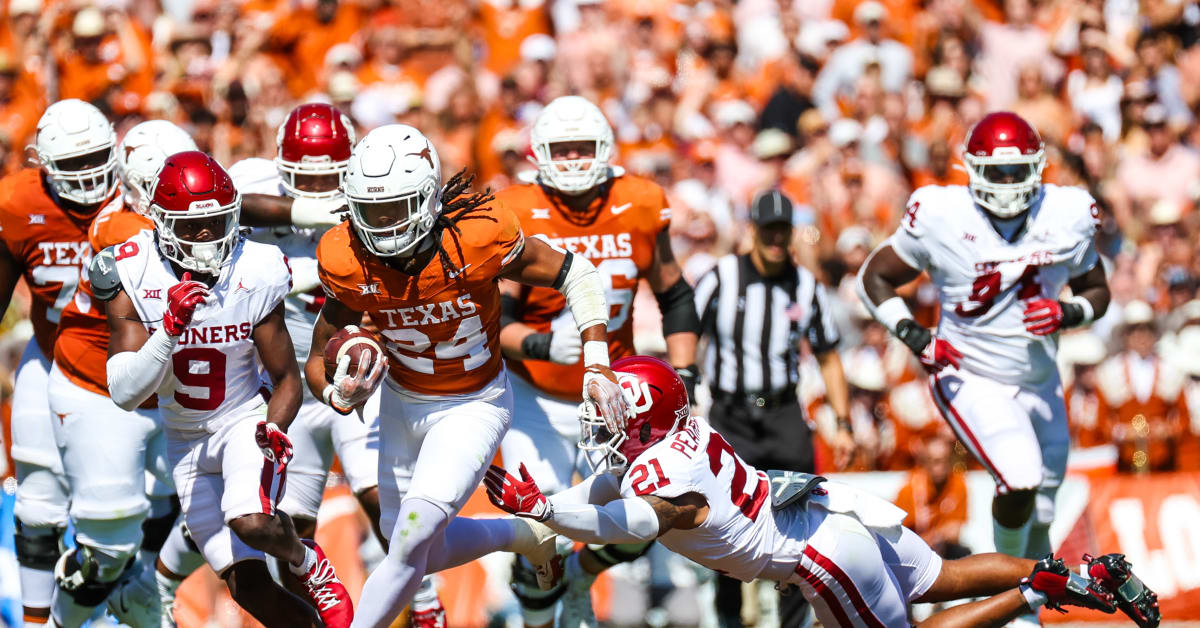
{"x":50,"y":245}
{"x":441,"y":327}
{"x":81,"y":351}
{"x":618,"y":235}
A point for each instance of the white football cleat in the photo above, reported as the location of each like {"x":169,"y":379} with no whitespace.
{"x":135,"y":601}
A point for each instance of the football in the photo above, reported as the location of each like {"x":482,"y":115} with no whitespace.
{"x":354,"y":341}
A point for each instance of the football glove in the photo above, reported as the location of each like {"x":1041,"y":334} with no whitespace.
{"x":274,"y":443}
{"x":520,"y":497}
{"x":1132,"y":596}
{"x":350,"y":391}
{"x":601,"y":388}
{"x":182,"y":300}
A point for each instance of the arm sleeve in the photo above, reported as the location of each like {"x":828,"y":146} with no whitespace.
{"x":629,"y":520}
{"x":598,"y":488}
{"x":584,"y":292}
{"x":134,"y":375}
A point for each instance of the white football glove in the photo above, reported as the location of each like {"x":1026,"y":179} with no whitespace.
{"x":348,"y":392}
{"x":601,"y":388}
{"x":565,"y":345}
{"x":317,"y":212}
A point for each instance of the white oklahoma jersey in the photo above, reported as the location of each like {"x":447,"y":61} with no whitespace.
{"x":845,"y":549}
{"x":318,"y":432}
{"x":215,"y":370}
{"x":983,"y":281}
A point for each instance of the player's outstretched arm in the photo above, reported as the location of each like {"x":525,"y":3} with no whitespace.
{"x":279,"y":360}
{"x":10,"y":272}
{"x":540,"y":264}
{"x":878,"y":281}
{"x":677,"y":302}
{"x":137,"y":360}
{"x":265,"y":210}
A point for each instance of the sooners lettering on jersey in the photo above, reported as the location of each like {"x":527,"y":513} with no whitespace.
{"x":739,"y":537}
{"x":50,"y":244}
{"x":984,"y":280}
{"x":81,"y":351}
{"x":442,"y":326}
{"x":618,"y":236}
{"x":215,"y":367}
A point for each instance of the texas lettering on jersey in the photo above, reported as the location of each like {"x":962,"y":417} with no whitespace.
{"x":618,"y":236}
{"x":441,"y":327}
{"x":984,"y":280}
{"x":50,"y":245}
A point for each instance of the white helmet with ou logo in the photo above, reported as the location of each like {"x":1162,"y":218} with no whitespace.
{"x":393,"y":186}
{"x":71,"y":129}
{"x":142,"y":153}
{"x":571,"y":119}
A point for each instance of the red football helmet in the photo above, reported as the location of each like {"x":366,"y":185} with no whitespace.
{"x":659,"y":398}
{"x":1004,"y":157}
{"x":195,"y":210}
{"x":314,"y":140}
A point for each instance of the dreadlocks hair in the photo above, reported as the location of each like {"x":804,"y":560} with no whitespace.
{"x":458,"y":204}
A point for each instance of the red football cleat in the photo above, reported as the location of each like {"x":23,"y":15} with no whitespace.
{"x":326,"y":591}
{"x":430,"y":617}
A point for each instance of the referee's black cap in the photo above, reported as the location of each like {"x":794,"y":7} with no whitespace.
{"x":771,"y":207}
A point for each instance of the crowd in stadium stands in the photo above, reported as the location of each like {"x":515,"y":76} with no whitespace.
{"x":845,"y":105}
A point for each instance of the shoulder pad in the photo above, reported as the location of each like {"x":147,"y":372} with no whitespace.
{"x":102,"y":274}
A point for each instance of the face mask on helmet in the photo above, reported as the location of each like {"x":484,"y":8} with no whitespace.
{"x":1006,"y":187}
{"x":200,"y":241}
{"x":395,"y":226}
{"x":572,"y":145}
{"x":659,"y":401}
{"x":85,"y":179}
{"x":313,"y":148}
{"x":601,"y":448}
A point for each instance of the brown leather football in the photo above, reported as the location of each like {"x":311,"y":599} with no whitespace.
{"x":353,"y":341}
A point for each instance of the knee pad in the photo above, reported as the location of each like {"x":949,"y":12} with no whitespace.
{"x":537,"y":606}
{"x":38,"y":548}
{"x":617,"y":553}
{"x":88,"y":576}
{"x":156,"y":529}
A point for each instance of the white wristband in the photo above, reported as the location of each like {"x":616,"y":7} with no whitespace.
{"x":1089,"y":313}
{"x":327,"y":394}
{"x":595,"y":352}
{"x":891,"y":312}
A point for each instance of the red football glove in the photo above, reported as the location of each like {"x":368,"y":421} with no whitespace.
{"x":182,"y":300}
{"x":939,"y":354}
{"x":521,"y":497}
{"x":1043,"y":316}
{"x":274,"y":443}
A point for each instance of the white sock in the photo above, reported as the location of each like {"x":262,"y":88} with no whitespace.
{"x":166,"y":592}
{"x":306,"y":565}
{"x":1035,"y":599}
{"x":1011,"y":541}
{"x":426,"y":596}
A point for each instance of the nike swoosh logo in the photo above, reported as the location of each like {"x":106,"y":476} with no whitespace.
{"x":460,"y":271}
{"x":617,"y":209}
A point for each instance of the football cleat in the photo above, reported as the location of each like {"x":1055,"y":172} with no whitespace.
{"x":1063,"y":587}
{"x":430,"y":617}
{"x":326,"y":591}
{"x":1131,"y":595}
{"x":135,"y":601}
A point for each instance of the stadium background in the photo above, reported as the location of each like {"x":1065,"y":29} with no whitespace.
{"x":846,"y":105}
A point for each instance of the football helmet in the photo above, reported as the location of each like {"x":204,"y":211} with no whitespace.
{"x":393,"y":186}
{"x":69,"y":133}
{"x":571,"y":119}
{"x":315,"y":139}
{"x":192,"y":196}
{"x":1004,"y":156}
{"x":659,"y":400}
{"x":142,"y":153}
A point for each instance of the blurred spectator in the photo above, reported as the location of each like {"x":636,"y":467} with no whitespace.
{"x":1188,"y":360}
{"x":935,"y":497}
{"x":1146,"y":397}
{"x":1168,"y":170}
{"x":1087,"y":410}
{"x":872,"y":54}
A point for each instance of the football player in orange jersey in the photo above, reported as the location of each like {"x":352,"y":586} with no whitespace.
{"x":109,"y":494}
{"x":619,"y":222}
{"x":44,"y":218}
{"x":423,"y":261}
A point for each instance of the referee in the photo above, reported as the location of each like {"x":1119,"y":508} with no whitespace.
{"x":754,"y":310}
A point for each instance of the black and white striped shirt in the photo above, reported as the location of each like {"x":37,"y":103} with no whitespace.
{"x":754,"y":325}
